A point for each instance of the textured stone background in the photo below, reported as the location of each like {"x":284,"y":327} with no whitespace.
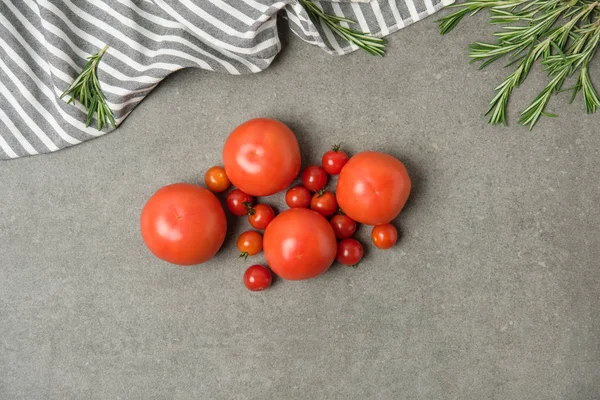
{"x":493,"y":291}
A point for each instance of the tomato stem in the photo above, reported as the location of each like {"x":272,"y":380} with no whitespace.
{"x":249,"y":207}
{"x":320,"y":192}
{"x":336,"y":147}
{"x":244,"y":255}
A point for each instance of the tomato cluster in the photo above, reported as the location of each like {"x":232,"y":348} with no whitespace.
{"x":185,"y":224}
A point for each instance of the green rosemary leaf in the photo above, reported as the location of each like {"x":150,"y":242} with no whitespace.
{"x":558,"y":49}
{"x":86,"y":90}
{"x":562,"y":34}
{"x":365,"y":41}
{"x":590,"y":96}
{"x":531,"y":114}
{"x":449,"y":22}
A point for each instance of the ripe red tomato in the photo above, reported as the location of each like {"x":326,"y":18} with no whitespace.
{"x":324,"y":203}
{"x":299,"y":244}
{"x":343,"y":226}
{"x":334,"y":160}
{"x":257,"y":278}
{"x":298,"y":196}
{"x":314,"y":178}
{"x":249,"y":243}
{"x":237,"y":202}
{"x":373,"y":188}
{"x":183,"y":224}
{"x":260,"y":216}
{"x":349,"y":252}
{"x":384,"y":236}
{"x":216,"y":179}
{"x":262,"y":157}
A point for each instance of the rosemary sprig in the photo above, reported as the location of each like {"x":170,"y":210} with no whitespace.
{"x":86,"y":89}
{"x":472,"y":7}
{"x":563,"y":34}
{"x":370,"y":44}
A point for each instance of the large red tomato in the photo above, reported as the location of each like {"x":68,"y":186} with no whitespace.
{"x":261,"y":157}
{"x":373,"y":188}
{"x":183,"y":224}
{"x":299,"y":244}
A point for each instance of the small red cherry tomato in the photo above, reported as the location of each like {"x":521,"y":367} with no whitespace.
{"x":384,"y":236}
{"x":257,"y":278}
{"x":237,"y":202}
{"x":334,"y":160}
{"x":349,"y":252}
{"x":324,"y":203}
{"x":343,"y":226}
{"x":314,"y":178}
{"x":249,"y":243}
{"x":298,"y":197}
{"x":216,"y":179}
{"x":260,"y":215}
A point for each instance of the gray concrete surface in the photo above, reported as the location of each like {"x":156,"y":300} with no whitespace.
{"x":493,"y":291}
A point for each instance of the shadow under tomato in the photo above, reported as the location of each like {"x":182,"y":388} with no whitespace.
{"x":417,"y":177}
{"x":306,"y":140}
{"x":233,"y":222}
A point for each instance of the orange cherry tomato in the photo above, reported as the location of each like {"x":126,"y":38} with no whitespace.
{"x":384,"y":236}
{"x":216,"y":179}
{"x":249,"y":243}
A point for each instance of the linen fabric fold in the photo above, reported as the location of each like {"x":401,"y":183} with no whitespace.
{"x":44,"y":45}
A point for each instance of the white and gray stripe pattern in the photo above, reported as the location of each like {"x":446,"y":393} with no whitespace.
{"x":44,"y":45}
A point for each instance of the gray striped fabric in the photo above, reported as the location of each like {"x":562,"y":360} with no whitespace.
{"x":44,"y":45}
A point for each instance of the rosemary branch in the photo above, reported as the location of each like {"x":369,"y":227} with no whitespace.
{"x":86,"y":90}
{"x":563,"y":34}
{"x":370,"y":44}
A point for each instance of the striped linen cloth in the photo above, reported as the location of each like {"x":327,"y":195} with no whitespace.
{"x":44,"y":45}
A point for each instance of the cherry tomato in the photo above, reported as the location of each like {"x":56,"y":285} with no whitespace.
{"x":237,"y":202}
{"x":249,"y":243}
{"x":183,"y":224}
{"x":373,"y":188}
{"x":334,"y":160}
{"x":314,"y":178}
{"x":257,"y":278}
{"x":343,"y":226}
{"x":299,"y":244}
{"x":262,"y":157}
{"x":324,"y":203}
{"x":349,"y":252}
{"x":298,"y":196}
{"x":260,"y":215}
{"x":216,"y":179}
{"x":384,"y":236}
